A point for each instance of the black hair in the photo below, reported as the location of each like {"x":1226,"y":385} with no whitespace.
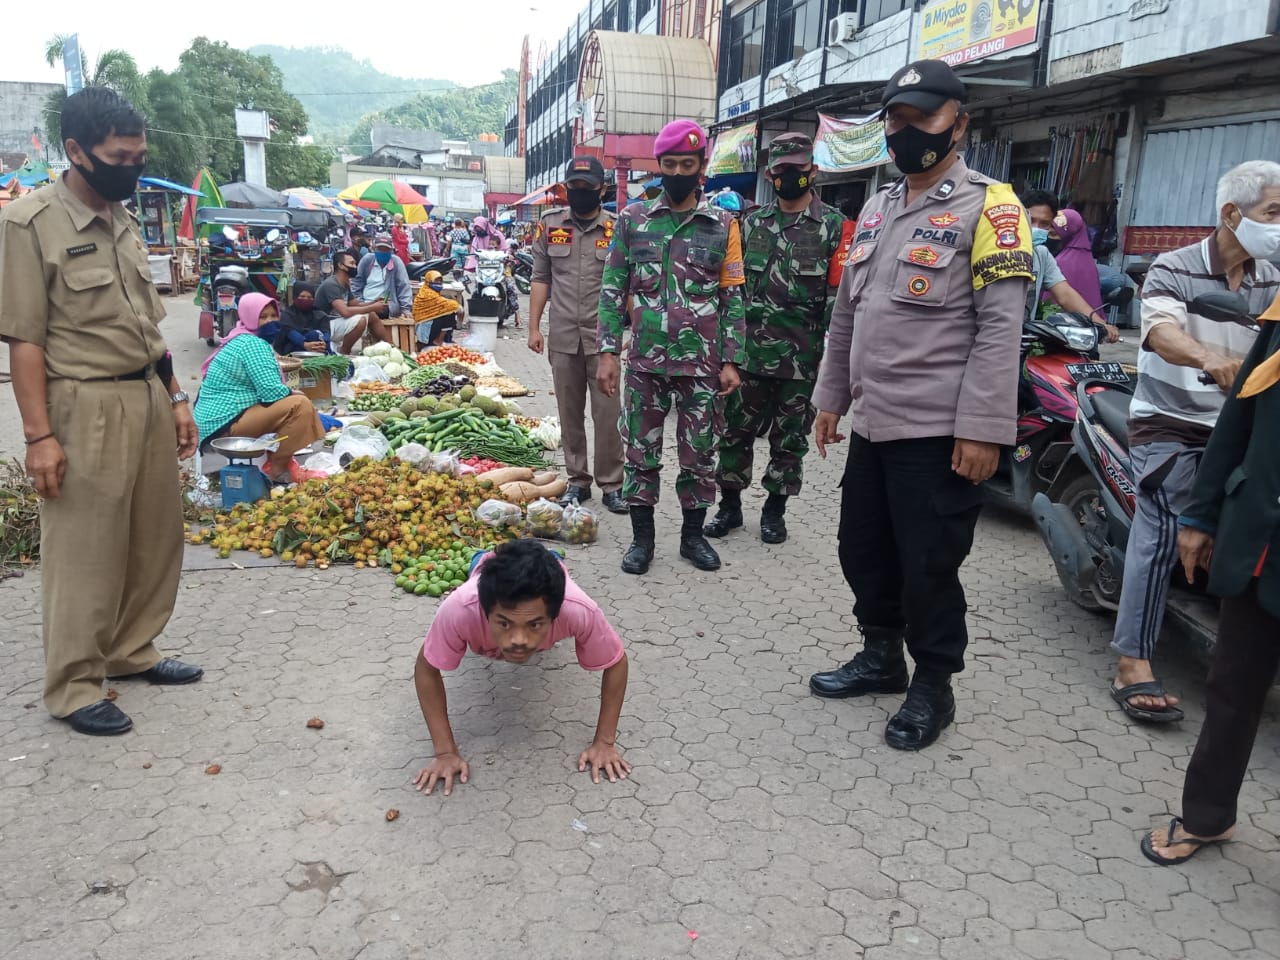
{"x":518,"y":571}
{"x":95,"y":113}
{"x":1040,"y":198}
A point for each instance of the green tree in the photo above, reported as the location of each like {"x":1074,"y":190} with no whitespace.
{"x":297,"y":165}
{"x":463,"y":113}
{"x":114,"y":68}
{"x":176,"y":140}
{"x":220,"y":78}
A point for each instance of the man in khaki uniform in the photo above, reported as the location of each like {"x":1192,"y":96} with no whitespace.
{"x":923,"y":350}
{"x":102,"y":415}
{"x":569,"y":251}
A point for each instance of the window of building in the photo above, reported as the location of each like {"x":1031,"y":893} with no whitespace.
{"x":624,"y":16}
{"x":800,"y":29}
{"x":746,"y":45}
{"x":642,"y":8}
{"x":873,"y":11}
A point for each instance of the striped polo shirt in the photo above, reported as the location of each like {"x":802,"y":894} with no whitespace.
{"x":1170,"y":402}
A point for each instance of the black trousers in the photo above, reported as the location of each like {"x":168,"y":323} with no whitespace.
{"x":1245,"y":657}
{"x":906,"y":526}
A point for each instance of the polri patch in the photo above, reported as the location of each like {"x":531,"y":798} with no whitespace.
{"x":559,"y":236}
{"x":918,"y":285}
{"x":1004,"y":219}
{"x":603,"y":243}
{"x":925,"y":256}
{"x":81,"y":249}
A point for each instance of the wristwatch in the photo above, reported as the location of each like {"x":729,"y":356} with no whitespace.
{"x":179,"y":397}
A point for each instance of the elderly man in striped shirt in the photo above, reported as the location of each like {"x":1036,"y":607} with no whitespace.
{"x":1173,"y":413}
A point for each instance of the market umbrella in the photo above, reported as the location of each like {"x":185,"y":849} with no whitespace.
{"x":251,"y":195}
{"x":206,"y":195}
{"x":391,"y":196}
{"x":305,"y":198}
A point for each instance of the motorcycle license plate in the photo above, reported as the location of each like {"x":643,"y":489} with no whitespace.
{"x":226,"y":299}
{"x":1111,"y":372}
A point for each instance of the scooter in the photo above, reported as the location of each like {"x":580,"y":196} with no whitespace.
{"x":229,"y":284}
{"x":490,"y":296}
{"x":1057,"y":353}
{"x":1085,"y":521}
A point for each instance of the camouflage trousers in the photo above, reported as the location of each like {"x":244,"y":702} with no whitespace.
{"x":646,"y":401}
{"x":773,"y":406}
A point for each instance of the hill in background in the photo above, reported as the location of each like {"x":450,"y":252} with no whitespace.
{"x":354,"y":88}
{"x":463,"y":113}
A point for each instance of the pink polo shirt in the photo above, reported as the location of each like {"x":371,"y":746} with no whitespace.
{"x":460,"y":624}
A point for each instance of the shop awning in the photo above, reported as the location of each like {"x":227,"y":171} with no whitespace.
{"x":161,"y":184}
{"x":536,"y":197}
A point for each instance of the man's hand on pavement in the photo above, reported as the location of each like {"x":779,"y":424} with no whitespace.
{"x":603,"y":756}
{"x":607,"y":374}
{"x":826,"y":430}
{"x":444,"y":767}
{"x":974,"y":460}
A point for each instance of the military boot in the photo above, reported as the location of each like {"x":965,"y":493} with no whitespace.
{"x":773,"y":526}
{"x":879,"y":667}
{"x":693,"y":545}
{"x":640,"y":554}
{"x":728,"y":517}
{"x":929,"y":709}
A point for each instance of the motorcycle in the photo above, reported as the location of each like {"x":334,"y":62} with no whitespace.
{"x":420,"y":268}
{"x":522,"y":270}
{"x":1085,"y":522}
{"x":1057,"y":352}
{"x":229,"y":284}
{"x":489,"y":298}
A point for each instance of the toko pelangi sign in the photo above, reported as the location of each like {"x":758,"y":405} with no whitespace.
{"x":965,"y":31}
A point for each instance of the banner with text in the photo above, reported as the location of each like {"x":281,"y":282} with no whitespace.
{"x":734,"y":151}
{"x":849,"y":143}
{"x":966,"y":31}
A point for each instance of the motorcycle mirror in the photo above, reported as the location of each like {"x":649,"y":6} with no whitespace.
{"x":1222,"y":306}
{"x":231,"y":233}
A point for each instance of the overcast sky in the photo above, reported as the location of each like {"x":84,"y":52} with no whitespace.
{"x":467,"y":41}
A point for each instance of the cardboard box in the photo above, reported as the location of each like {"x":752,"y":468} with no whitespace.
{"x":317,"y":386}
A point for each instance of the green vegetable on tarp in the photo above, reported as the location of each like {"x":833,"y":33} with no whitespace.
{"x":337,"y":366}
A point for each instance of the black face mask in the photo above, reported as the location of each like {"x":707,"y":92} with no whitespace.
{"x":678,"y":186}
{"x":113,"y":182}
{"x":792,"y":183}
{"x":915,"y":151}
{"x":583,"y":201}
{"x":1053,"y":245}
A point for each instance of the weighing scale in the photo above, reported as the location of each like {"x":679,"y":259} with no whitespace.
{"x":241,"y":480}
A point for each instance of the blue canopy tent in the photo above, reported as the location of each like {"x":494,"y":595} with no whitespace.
{"x":28,"y":175}
{"x":161,"y":184}
{"x":155,"y":213}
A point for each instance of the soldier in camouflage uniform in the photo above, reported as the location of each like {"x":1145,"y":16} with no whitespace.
{"x":674,"y":269}
{"x":789,"y":247}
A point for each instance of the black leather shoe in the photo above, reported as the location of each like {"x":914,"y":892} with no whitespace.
{"x":581,"y":494}
{"x":614,"y":503}
{"x":929,"y":709}
{"x":693,"y":545}
{"x":879,"y":667}
{"x":168,"y":672}
{"x":773,"y":528}
{"x":101,"y":719}
{"x":727,"y":518}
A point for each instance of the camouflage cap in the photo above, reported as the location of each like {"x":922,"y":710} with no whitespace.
{"x":795,"y":149}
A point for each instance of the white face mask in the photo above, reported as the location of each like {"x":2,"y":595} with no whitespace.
{"x":1260,"y":240}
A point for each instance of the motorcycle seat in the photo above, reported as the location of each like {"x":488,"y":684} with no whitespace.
{"x":1112,"y":408}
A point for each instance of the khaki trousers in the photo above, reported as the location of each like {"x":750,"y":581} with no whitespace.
{"x":111,"y":544}
{"x":293,"y":418}
{"x":573,"y":375}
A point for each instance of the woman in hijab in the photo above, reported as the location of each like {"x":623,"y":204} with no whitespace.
{"x":243,"y":394}
{"x":1075,"y":258}
{"x":480,"y":240}
{"x":302,"y":326}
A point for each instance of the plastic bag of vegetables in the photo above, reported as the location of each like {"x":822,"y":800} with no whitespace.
{"x":499,"y":513}
{"x":414,"y":454}
{"x":580,"y":524}
{"x":358,"y":442}
{"x":545,"y":518}
{"x":547,"y":433}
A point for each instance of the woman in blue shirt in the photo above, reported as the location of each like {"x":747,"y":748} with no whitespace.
{"x":243,"y":394}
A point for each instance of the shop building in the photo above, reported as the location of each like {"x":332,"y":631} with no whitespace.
{"x":1130,"y":111}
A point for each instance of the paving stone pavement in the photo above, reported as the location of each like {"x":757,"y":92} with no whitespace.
{"x":759,"y":822}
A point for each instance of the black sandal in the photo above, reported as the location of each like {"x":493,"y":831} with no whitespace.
{"x":1148,"y":847}
{"x":1148,"y":688}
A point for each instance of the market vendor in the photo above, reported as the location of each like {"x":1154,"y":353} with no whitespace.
{"x":348,"y":317}
{"x":518,"y":602}
{"x":301,"y":326}
{"x":435,"y":313}
{"x":244,"y":395}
